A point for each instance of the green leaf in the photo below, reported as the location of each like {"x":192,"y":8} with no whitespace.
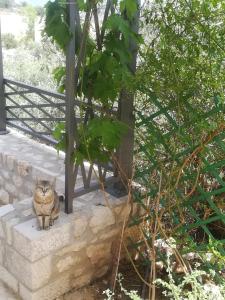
{"x":59,"y":133}
{"x":56,"y":25}
{"x":59,"y":75}
{"x":129,"y":7}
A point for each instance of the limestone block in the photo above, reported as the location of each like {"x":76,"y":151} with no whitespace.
{"x":75,"y":247}
{"x":8,"y":225}
{"x":9,"y":279}
{"x":108,"y":234}
{"x":7,"y":213}
{"x":17,"y":180}
{"x":101,"y":271}
{"x":98,"y":251}
{"x":11,"y":189}
{"x":124,"y":214}
{"x":56,"y":288}
{"x":4,"y":197}
{"x":34,"y":244}
{"x":102,"y":217}
{"x":23,"y":168}
{"x":32,"y":275}
{"x":2,"y":232}
{"x":80,"y":226}
{"x":10,"y":162}
{"x":2,"y":251}
{"x":6,"y":209}
{"x":6,"y":175}
{"x":1,"y":181}
{"x":44,"y":174}
{"x":65,"y":263}
{"x":83,"y":280}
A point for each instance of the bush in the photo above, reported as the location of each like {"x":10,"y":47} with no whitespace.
{"x":9,"y":41}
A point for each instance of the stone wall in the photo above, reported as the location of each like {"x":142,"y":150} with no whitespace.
{"x":42,"y":265}
{"x":75,"y":251}
{"x":17,"y":179}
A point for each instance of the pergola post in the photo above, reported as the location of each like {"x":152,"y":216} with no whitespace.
{"x":2,"y":93}
{"x":70,"y":113}
{"x":126,"y":114}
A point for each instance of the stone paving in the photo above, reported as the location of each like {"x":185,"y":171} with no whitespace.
{"x":37,"y":154}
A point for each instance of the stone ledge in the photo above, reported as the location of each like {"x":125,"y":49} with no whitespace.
{"x":75,"y":251}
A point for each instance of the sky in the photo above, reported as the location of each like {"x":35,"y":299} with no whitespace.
{"x":34,"y":2}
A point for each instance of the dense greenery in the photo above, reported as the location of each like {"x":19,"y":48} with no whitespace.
{"x":180,"y":131}
{"x":102,"y":73}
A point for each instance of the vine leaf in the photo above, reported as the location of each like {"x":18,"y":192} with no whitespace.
{"x":56,"y":26}
{"x":130,"y":7}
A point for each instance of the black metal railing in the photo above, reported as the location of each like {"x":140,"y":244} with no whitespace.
{"x":36,"y":112}
{"x":33,"y":110}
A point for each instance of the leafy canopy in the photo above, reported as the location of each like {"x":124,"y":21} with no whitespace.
{"x":104,"y":72}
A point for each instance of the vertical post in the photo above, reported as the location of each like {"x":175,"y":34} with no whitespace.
{"x":70,"y":114}
{"x":126,"y":115}
{"x":2,"y":96}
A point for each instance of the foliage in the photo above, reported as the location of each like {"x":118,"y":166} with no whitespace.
{"x":30,"y":14}
{"x":180,"y":132}
{"x":131,"y":294}
{"x":103,"y":73}
{"x":56,"y":25}
{"x":191,"y":286}
{"x":98,"y":134}
{"x":32,"y":63}
{"x":9,"y":41}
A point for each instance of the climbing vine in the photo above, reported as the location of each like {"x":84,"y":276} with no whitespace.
{"x":104,"y":69}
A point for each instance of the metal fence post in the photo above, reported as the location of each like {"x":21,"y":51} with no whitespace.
{"x":2,"y":93}
{"x":126,"y":115}
{"x":70,"y":114}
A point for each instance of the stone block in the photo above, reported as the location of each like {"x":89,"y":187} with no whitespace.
{"x":5,"y":175}
{"x":4,"y":197}
{"x":6,"y":209}
{"x":8,"y":228}
{"x":65,"y":263}
{"x":17,"y":180}
{"x":11,"y":189}
{"x":1,"y":180}
{"x":80,"y":226}
{"x":56,"y":288}
{"x":9,"y":279}
{"x":75,"y":247}
{"x":32,"y":275}
{"x":23,"y":168}
{"x":98,"y":251}
{"x":34,"y":244}
{"x":110,"y":233}
{"x":102,"y":217}
{"x":10,"y":162}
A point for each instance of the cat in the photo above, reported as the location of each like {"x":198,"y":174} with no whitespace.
{"x":46,"y":203}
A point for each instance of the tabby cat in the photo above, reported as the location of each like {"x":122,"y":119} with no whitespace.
{"x":46,"y":203}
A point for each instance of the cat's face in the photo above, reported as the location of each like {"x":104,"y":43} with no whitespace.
{"x":44,"y":188}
